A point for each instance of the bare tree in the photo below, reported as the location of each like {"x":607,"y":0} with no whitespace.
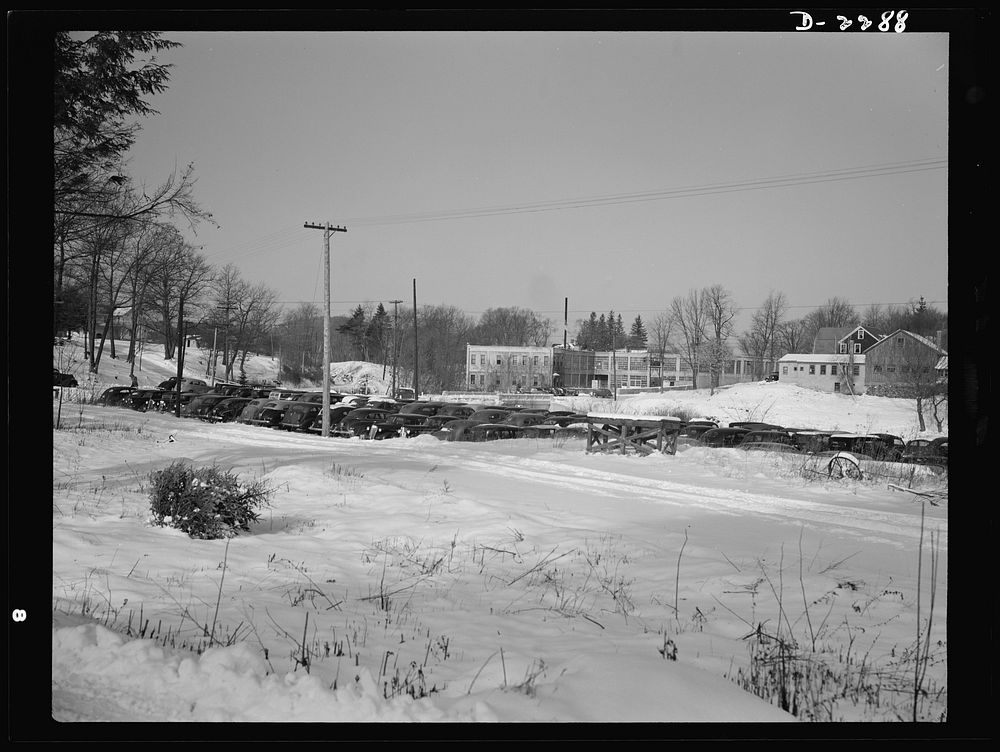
{"x":691,"y":318}
{"x":761,"y":340}
{"x":516,"y":327}
{"x":660,"y":330}
{"x":792,"y":337}
{"x":721,"y":316}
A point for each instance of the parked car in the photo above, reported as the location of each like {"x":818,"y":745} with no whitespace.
{"x":270,"y":415}
{"x":926,"y":451}
{"x":200,"y":404}
{"x":491,"y":432}
{"x":434,"y":423}
{"x":883,"y":447}
{"x":63,"y":379}
{"x":337,"y":413}
{"x":754,"y":425}
{"x":300,"y":415}
{"x":490,"y":415}
{"x":692,"y":432}
{"x":251,"y":408}
{"x":457,"y":409}
{"x":723,"y":437}
{"x":811,"y":441}
{"x":529,"y":424}
{"x":398,"y":425}
{"x":421,"y":408}
{"x":227,"y":410}
{"x":116,"y":396}
{"x":145,"y":400}
{"x":768,"y":437}
{"x":171,"y":384}
{"x":602,"y":393}
{"x":456,"y":430}
{"x":358,"y":421}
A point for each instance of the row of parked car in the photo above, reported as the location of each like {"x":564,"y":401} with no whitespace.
{"x":350,"y":415}
{"x":758,"y":436}
{"x":377,"y":417}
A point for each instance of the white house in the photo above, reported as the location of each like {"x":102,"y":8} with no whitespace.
{"x":825,"y":372}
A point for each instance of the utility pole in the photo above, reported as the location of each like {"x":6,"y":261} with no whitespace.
{"x":395,"y":342}
{"x":416,"y":360}
{"x":327,"y":229}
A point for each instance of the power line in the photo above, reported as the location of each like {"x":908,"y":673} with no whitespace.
{"x":853,"y":173}
{"x":289,"y":237}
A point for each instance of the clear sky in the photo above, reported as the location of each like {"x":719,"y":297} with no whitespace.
{"x":520,"y":168}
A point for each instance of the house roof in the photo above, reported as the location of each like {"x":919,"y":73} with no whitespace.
{"x":850,"y":334}
{"x":827,"y":337}
{"x":919,"y":338}
{"x":942,"y":364}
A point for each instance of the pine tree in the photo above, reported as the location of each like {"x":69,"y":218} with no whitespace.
{"x":637,"y":336}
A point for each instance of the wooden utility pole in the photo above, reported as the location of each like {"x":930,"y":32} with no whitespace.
{"x":395,"y":342}
{"x":416,"y":360}
{"x":327,"y":229}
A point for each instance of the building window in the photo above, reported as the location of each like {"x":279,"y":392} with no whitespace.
{"x":857,"y":347}
{"x":472,"y":379}
{"x":843,"y":347}
{"x":482,"y":359}
{"x":890,"y":369}
{"x":861,"y":333}
{"x":482,"y":379}
{"x":855,"y":370}
{"x":899,"y":341}
{"x":877,"y":369}
{"x":524,"y":360}
{"x":833,"y":369}
{"x":822,"y":370}
{"x":784,"y":370}
{"x":836,"y":386}
{"x":812,"y":370}
{"x":545,"y":360}
{"x":536,"y":360}
{"x":499,"y":360}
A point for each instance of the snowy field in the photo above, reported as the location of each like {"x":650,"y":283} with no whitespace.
{"x":515,"y":581}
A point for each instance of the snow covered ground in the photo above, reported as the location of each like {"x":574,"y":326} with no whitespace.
{"x":413,"y":580}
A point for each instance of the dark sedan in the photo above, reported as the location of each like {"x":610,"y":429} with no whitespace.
{"x":399,"y":425}
{"x":227,"y":410}
{"x":300,"y":415}
{"x":271,"y":413}
{"x":358,"y":422}
{"x":116,"y":395}
{"x":926,"y":451}
{"x":145,"y":400}
{"x":337,"y":413}
{"x":723,"y":437}
{"x":63,"y":379}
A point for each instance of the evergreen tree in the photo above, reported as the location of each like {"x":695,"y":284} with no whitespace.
{"x":637,"y":336}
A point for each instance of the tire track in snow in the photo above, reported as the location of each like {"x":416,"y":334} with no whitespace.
{"x":855,"y":521}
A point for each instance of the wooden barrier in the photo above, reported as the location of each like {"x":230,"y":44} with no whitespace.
{"x":610,"y":434}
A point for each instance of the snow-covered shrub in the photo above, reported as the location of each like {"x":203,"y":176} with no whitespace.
{"x":205,"y":502}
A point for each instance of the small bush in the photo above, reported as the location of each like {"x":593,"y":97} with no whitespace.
{"x":205,"y":502}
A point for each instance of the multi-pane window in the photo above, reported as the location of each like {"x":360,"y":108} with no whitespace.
{"x":833,"y":369}
{"x":812,"y":370}
{"x":861,"y":334}
{"x":856,"y":370}
{"x":857,"y":347}
{"x":822,"y":370}
{"x":843,"y":347}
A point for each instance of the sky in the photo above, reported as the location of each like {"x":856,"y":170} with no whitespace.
{"x":530,"y":581}
{"x":588,"y":170}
